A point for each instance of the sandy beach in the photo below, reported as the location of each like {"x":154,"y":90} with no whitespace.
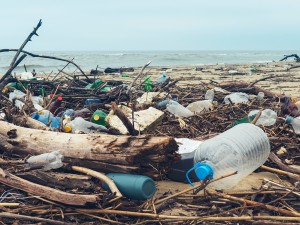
{"x":284,"y":81}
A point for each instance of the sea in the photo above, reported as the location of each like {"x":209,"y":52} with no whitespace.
{"x":88,"y":60}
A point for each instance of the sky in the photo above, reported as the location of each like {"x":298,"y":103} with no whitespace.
{"x":132,"y":25}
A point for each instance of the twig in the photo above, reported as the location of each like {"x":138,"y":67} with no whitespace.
{"x":137,"y":77}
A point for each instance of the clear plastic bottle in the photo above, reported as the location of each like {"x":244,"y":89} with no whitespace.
{"x":267,"y":118}
{"x":210,"y":94}
{"x":200,"y":106}
{"x":48,"y":161}
{"x":242,"y":148}
{"x":161,"y":79}
{"x":16,"y":94}
{"x":237,"y":98}
{"x":80,"y":125}
{"x":178,"y":110}
{"x":295,"y":122}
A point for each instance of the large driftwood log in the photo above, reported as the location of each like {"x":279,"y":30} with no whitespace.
{"x":116,"y":153}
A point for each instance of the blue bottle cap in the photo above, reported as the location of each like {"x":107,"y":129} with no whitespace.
{"x":204,"y":171}
{"x":288,"y":119}
{"x":35,"y":116}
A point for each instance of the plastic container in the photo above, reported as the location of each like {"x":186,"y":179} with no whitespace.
{"x":148,"y":84}
{"x":135,"y":187}
{"x":80,"y":125}
{"x":295,"y":122}
{"x":210,"y":94}
{"x":99,"y":117}
{"x":237,"y":97}
{"x":89,"y":101}
{"x":267,"y":118}
{"x":163,"y":104}
{"x":243,"y":120}
{"x":242,"y":148}
{"x":178,"y":110}
{"x":161,"y":79}
{"x":51,"y":121}
{"x":200,"y":106}
{"x":48,"y":161}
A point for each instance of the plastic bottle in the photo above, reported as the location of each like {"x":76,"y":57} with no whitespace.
{"x":210,"y":94}
{"x":68,"y":112}
{"x":51,"y":121}
{"x":161,"y":79}
{"x":295,"y":122}
{"x":237,"y":97}
{"x":178,"y":110}
{"x":48,"y":161}
{"x":267,"y":118}
{"x":45,"y":112}
{"x":135,"y":187}
{"x":95,"y":84}
{"x":200,"y":106}
{"x":242,"y":148}
{"x":163,"y":104}
{"x":90,"y":101}
{"x":243,"y":120}
{"x":260,"y":96}
{"x":80,"y":125}
{"x":55,"y":107}
{"x":85,"y":112}
{"x":16,"y":94}
{"x":99,"y":117}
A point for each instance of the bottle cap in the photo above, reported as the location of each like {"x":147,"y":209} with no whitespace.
{"x":59,"y":98}
{"x":288,"y":119}
{"x":68,"y":129}
{"x":204,"y":171}
{"x":96,"y":117}
{"x":35,"y":116}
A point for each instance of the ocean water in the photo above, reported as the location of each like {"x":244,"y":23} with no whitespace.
{"x":88,"y":60}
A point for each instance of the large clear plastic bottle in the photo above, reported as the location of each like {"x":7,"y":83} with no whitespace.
{"x":200,"y":107}
{"x":295,"y":122}
{"x":242,"y":148}
{"x":178,"y":110}
{"x":80,"y":125}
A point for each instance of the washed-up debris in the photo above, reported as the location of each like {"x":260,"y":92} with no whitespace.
{"x":116,"y":138}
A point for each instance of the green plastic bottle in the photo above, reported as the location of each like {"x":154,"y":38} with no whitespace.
{"x":99,"y":117}
{"x":94,"y":85}
{"x":243,"y":120}
{"x":148,"y":84}
{"x":43,"y":92}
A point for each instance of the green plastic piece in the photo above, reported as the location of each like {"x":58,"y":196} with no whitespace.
{"x":106,"y":88}
{"x":94,"y":85}
{"x":243,"y":120}
{"x":148,"y":84}
{"x":99,"y":117}
{"x":43,"y":92}
{"x":124,"y":75}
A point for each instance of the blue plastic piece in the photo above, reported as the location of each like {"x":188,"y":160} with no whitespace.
{"x":92,"y":100}
{"x":289,"y":119}
{"x":202,"y":171}
{"x":53,"y":121}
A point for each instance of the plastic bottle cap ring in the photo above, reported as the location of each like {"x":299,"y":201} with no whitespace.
{"x":68,"y":129}
{"x":96,"y":117}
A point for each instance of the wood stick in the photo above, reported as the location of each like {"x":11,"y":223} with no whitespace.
{"x":9,"y":204}
{"x":274,"y":158}
{"x":112,"y":186}
{"x":50,"y":193}
{"x":253,"y":203}
{"x":31,"y":218}
{"x":291,"y":175}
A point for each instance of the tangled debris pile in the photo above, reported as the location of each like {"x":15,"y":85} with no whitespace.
{"x":60,"y":134}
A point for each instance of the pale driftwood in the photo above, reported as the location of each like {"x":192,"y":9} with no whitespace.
{"x":27,"y":121}
{"x":111,"y":151}
{"x":112,"y":186}
{"x":47,"y":192}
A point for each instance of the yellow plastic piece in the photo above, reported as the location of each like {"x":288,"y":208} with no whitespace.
{"x":68,"y":129}
{"x":96,"y":117}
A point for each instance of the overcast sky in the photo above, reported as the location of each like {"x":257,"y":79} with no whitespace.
{"x":152,"y":25}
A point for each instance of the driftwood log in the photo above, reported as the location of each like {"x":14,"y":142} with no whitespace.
{"x":106,"y":153}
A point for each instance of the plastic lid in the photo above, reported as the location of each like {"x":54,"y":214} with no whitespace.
{"x":59,"y":98}
{"x":204,"y":171}
{"x":96,"y":117}
{"x":288,"y":119}
{"x":35,"y":116}
{"x":68,"y":129}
